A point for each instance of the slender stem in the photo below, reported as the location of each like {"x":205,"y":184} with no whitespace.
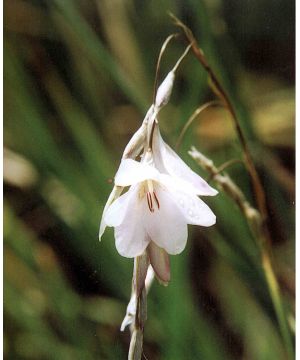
{"x":221,"y":93}
{"x":276,"y":299}
{"x":141,"y":264}
{"x":193,"y":117}
{"x":264,"y":238}
{"x":162,"y":50}
{"x":181,"y":58}
{"x":137,"y":336}
{"x":229,"y":163}
{"x":255,"y":222}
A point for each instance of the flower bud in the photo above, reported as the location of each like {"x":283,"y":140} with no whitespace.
{"x":159,"y":260}
{"x":164,"y":91}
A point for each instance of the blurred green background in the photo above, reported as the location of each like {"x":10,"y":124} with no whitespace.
{"x":78,"y":77}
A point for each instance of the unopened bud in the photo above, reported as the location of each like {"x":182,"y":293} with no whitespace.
{"x":164,"y":91}
{"x":159,"y":260}
{"x":253,"y":215}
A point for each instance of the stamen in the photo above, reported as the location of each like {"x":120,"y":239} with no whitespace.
{"x":156,"y":199}
{"x":150,"y":186}
{"x":149,"y":201}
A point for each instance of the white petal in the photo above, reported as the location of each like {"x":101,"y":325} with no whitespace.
{"x":195,"y":211}
{"x":166,"y":226}
{"x":131,"y":238}
{"x":116,"y":212}
{"x":102,"y":227}
{"x":157,"y":148}
{"x":132,"y":172}
{"x":169,"y":162}
{"x":116,"y":191}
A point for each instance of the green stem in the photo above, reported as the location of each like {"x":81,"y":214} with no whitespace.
{"x":277,"y":302}
{"x":256,"y":225}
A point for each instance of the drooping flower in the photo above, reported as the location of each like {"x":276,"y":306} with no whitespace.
{"x":155,"y":211}
{"x":153,"y":215}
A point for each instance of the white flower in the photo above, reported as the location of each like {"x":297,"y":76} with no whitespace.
{"x":156,"y":209}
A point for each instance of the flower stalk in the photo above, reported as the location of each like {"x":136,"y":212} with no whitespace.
{"x":223,"y":96}
{"x":255,"y":221}
{"x":140,"y":315}
{"x":150,"y":219}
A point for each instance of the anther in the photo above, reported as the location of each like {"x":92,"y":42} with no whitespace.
{"x":156,"y":199}
{"x":149,"y":201}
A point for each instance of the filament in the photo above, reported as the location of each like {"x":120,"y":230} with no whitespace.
{"x":149,"y":201}
{"x":156,"y":199}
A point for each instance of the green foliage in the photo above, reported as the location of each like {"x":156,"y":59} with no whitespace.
{"x":73,"y":96}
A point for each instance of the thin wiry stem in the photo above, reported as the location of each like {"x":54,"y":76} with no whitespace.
{"x":226,"y":165}
{"x":181,"y":58}
{"x":262,"y":235}
{"x":193,"y":117}
{"x":139,"y":312}
{"x":255,"y":222}
{"x":137,"y":335}
{"x":162,"y":50}
{"x":229,"y":163}
{"x":221,"y":93}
